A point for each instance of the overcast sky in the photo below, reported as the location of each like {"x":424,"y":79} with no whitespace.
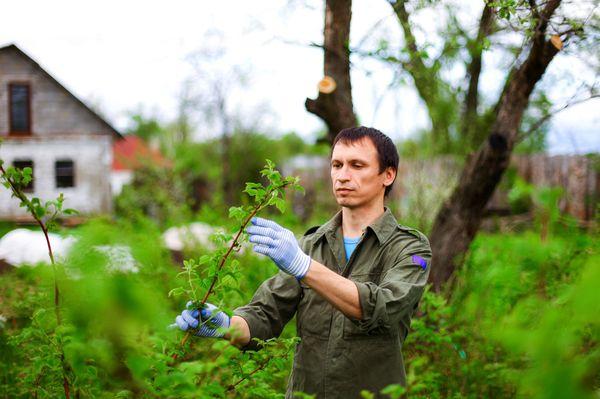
{"x":130,"y":55}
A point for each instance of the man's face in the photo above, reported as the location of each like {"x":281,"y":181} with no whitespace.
{"x":355,"y":176}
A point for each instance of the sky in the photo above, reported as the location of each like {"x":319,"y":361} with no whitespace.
{"x":127,"y":56}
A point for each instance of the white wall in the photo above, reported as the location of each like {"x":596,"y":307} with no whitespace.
{"x":92,"y":158}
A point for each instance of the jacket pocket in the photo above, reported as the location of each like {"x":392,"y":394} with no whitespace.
{"x":314,"y":313}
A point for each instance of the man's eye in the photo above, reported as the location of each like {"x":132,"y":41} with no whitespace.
{"x":336,"y":165}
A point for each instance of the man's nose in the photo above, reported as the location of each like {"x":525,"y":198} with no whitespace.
{"x":343,"y":174}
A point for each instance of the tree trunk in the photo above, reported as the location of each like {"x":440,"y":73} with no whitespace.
{"x":459,"y":218}
{"x":336,"y":108}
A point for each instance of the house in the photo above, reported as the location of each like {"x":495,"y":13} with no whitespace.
{"x":47,"y":128}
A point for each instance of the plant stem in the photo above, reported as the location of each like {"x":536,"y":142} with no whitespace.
{"x":20,"y":195}
{"x":258,"y":208}
{"x":256,"y":370}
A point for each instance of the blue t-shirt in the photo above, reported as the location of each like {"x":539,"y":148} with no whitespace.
{"x":350,"y":245}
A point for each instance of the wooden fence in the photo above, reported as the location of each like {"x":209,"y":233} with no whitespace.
{"x":422,"y":185}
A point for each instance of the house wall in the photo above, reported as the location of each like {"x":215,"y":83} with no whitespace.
{"x":92,"y":158}
{"x":53,"y":110}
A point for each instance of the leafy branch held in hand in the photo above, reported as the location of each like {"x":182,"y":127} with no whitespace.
{"x":271,"y":195}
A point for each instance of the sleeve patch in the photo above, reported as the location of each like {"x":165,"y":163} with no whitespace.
{"x":419,"y":261}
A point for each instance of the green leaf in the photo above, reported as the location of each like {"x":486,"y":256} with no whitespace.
{"x":280,"y":204}
{"x":237,"y":213}
{"x":394,"y":391}
{"x":204,"y":259}
{"x":364,"y":394}
{"x":176,"y":291}
{"x":39,"y":211}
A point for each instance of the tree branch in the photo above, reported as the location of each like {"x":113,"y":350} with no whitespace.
{"x":552,"y":113}
{"x":534,"y":9}
{"x":469,"y":117}
{"x":424,"y":78}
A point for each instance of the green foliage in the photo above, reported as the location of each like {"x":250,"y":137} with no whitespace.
{"x":521,"y":321}
{"x":147,"y":128}
{"x":544,"y":201}
{"x":156,"y":192}
{"x":193,"y":188}
{"x":213,"y":273}
{"x":519,"y":196}
{"x":113,"y":340}
{"x":46,"y":213}
{"x":49,"y":362}
{"x":201,"y":164}
{"x":533,"y":133}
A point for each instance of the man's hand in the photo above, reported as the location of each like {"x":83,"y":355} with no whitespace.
{"x":280,"y":245}
{"x":213,"y":323}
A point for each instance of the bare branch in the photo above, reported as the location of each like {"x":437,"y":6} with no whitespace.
{"x":534,"y":9}
{"x":553,"y":113}
{"x":469,"y":116}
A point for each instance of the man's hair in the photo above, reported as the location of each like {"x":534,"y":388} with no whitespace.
{"x":387,"y":154}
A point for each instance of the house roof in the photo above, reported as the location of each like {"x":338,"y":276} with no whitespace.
{"x":13,"y":47}
{"x":132,"y":153}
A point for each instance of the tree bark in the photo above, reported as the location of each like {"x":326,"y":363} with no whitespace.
{"x":459,"y":218}
{"x":336,"y":108}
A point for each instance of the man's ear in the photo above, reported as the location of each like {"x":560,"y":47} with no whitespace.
{"x":390,"y":176}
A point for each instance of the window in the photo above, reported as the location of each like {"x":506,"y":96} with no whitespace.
{"x":65,"y":173}
{"x":19,"y":108}
{"x":22,"y":164}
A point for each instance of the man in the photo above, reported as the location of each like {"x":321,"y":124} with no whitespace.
{"x":353,"y":283}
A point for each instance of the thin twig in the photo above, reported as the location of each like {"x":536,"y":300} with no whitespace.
{"x":552,"y":113}
{"x":256,"y":370}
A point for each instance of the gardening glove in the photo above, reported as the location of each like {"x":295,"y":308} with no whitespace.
{"x":213,"y":323}
{"x":280,"y":245}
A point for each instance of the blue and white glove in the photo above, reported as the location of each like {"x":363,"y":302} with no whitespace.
{"x":214,"y":323}
{"x":280,"y":245}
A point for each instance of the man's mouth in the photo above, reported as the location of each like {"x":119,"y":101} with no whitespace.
{"x":343,"y":190}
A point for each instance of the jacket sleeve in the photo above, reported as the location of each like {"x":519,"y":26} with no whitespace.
{"x":399,"y":290}
{"x":273,"y":305}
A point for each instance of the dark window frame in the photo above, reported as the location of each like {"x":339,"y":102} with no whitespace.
{"x":12,"y":132}
{"x":57,"y":183}
{"x":31,"y":186}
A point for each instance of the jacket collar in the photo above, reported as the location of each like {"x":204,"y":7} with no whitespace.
{"x":382,"y":227}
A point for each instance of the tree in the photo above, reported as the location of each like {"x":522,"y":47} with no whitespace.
{"x":460,"y":216}
{"x":461,"y":121}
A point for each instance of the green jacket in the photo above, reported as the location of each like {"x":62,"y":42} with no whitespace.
{"x":338,"y":356}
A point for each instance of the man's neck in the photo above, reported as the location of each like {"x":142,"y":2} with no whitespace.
{"x":355,"y":221}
